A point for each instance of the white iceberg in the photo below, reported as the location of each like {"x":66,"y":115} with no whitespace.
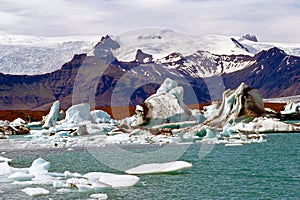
{"x":114,"y":180}
{"x":35,"y":191}
{"x":79,"y":113}
{"x":39,"y":167}
{"x":165,"y":106}
{"x":51,"y":118}
{"x":157,"y":168}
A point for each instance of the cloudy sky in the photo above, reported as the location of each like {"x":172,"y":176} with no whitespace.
{"x":270,"y":20}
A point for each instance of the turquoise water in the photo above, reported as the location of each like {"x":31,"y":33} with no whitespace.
{"x":268,"y":170}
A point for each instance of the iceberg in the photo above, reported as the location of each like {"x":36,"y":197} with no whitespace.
{"x":79,"y":113}
{"x":242,"y":104}
{"x":35,"y":191}
{"x":157,"y":168}
{"x":165,"y":106}
{"x":39,"y":167}
{"x":51,"y":118}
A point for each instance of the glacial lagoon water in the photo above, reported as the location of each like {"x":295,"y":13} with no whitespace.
{"x":269,"y":170}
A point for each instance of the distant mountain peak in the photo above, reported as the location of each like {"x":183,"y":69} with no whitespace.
{"x":250,"y":37}
{"x":104,"y":47}
{"x":142,"y":57}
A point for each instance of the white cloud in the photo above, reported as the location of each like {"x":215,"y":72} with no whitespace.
{"x":274,"y":20}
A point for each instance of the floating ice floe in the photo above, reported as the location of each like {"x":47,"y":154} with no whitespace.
{"x":4,"y":159}
{"x":37,"y":174}
{"x":113,"y":180}
{"x":157,"y":168}
{"x":21,"y":176}
{"x":35,"y":191}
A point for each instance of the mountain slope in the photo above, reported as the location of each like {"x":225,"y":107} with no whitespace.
{"x":275,"y":74}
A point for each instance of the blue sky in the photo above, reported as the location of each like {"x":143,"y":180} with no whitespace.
{"x":270,"y":20}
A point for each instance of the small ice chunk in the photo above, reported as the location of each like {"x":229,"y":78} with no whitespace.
{"x":155,"y":168}
{"x":64,"y":190}
{"x":101,"y":116}
{"x":21,"y":176}
{"x":39,"y":167}
{"x":59,"y":184}
{"x":99,"y":196}
{"x":68,"y":174}
{"x":18,"y":122}
{"x":77,"y":181}
{"x":90,"y":187}
{"x":4,"y":159}
{"x":35,"y":191}
{"x":5,"y":169}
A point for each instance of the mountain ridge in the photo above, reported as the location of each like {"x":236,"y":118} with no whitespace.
{"x":102,"y":80}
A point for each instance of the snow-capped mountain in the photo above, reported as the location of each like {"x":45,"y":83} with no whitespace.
{"x":21,"y":54}
{"x":122,"y":71}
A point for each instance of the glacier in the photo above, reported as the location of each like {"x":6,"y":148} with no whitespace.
{"x":30,"y":55}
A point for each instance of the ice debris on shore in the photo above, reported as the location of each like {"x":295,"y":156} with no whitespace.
{"x":163,"y":118}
